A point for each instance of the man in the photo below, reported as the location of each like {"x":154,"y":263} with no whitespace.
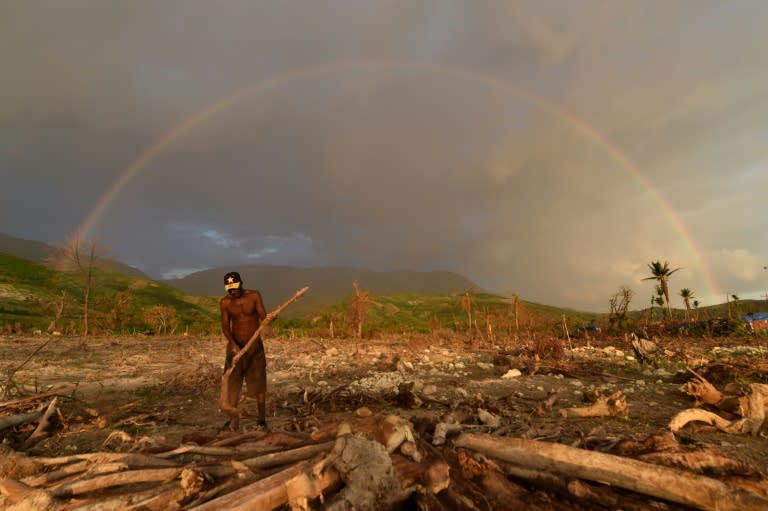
{"x":242,"y":311}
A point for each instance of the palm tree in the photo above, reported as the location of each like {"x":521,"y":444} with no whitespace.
{"x":687,"y":295}
{"x":735,"y":298}
{"x":696,"y":306}
{"x":661,"y":273}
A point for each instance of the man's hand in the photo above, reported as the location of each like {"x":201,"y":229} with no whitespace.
{"x":271,"y":316}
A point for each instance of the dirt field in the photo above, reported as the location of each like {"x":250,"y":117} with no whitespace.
{"x":165,"y":390}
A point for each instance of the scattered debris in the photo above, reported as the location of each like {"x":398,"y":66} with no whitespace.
{"x":430,"y":430}
{"x":741,"y":411}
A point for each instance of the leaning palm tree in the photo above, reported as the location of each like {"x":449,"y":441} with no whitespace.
{"x":687,"y":295}
{"x":661,"y":273}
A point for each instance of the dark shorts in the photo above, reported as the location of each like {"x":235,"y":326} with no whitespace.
{"x":252,"y":367}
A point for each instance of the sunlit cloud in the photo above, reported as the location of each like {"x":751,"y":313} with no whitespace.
{"x":178,"y":273}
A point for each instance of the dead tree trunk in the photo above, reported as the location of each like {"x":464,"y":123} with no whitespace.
{"x":665,"y":483}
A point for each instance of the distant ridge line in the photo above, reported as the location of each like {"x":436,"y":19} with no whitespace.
{"x":327,"y":284}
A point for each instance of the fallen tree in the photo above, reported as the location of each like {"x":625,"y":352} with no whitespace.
{"x":665,"y":483}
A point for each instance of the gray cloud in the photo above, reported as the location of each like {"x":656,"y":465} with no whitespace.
{"x":534,"y":146}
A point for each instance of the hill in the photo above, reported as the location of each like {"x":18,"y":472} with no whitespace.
{"x":492,"y":316}
{"x":327,"y":285}
{"x":39,"y":252}
{"x":31,"y":292}
{"x":31,"y":250}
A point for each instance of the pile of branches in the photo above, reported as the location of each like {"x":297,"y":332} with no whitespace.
{"x":374,"y":461}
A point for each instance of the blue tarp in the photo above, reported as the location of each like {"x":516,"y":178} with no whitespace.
{"x":755,"y":316}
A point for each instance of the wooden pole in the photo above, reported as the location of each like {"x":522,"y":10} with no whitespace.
{"x":567,"y":335}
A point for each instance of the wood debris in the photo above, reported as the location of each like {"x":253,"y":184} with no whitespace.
{"x":739,"y":409}
{"x":374,"y":460}
{"x":614,"y":405}
{"x":454,"y":450}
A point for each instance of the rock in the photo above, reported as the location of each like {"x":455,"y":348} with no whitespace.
{"x":512,"y":373}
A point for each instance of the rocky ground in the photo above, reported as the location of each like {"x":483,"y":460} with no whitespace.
{"x":116,"y":393}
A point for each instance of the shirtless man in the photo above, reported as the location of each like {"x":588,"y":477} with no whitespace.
{"x":242,"y":311}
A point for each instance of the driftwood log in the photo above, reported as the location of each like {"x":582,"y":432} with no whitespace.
{"x":744,"y":407}
{"x":226,"y":379}
{"x":614,"y":405}
{"x":665,"y":483}
{"x":263,"y":495}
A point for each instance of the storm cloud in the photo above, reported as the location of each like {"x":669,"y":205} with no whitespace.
{"x":552,"y":149}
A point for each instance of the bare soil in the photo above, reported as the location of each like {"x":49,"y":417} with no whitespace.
{"x":165,"y":389}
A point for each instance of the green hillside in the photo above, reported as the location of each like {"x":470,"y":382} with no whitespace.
{"x":39,"y":252}
{"x":31,"y":292}
{"x":416,"y":313}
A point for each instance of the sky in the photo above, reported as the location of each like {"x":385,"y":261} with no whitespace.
{"x":547,"y":148}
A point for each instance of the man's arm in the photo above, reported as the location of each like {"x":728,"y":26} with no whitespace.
{"x":226,"y":327}
{"x":262,"y":313}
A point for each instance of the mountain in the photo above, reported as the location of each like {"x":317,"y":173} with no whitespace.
{"x":326,"y":284}
{"x":38,"y":252}
{"x":35,"y":251}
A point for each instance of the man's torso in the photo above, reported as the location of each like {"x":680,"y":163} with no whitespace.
{"x":243,"y":315}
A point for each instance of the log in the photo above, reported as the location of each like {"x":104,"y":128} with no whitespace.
{"x":306,"y":487}
{"x":276,"y":459}
{"x":164,"y":497}
{"x":263,"y":495}
{"x":13,"y":489}
{"x":17,"y":465}
{"x":35,"y":397}
{"x":44,"y":423}
{"x":64,"y":460}
{"x":114,"y":462}
{"x":698,"y":415}
{"x":55,"y":475}
{"x":443,"y":429}
{"x":226,"y":378}
{"x":224,"y":488}
{"x":665,"y":483}
{"x":37,"y":500}
{"x":236,"y":439}
{"x":614,"y":405}
{"x":122,"y":478}
{"x":602,"y":495}
{"x":199,"y":449}
{"x":19,"y":419}
{"x":752,"y":411}
{"x":433,"y":476}
{"x":503,"y":493}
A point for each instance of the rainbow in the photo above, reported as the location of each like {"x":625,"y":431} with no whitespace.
{"x":502,"y":85}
